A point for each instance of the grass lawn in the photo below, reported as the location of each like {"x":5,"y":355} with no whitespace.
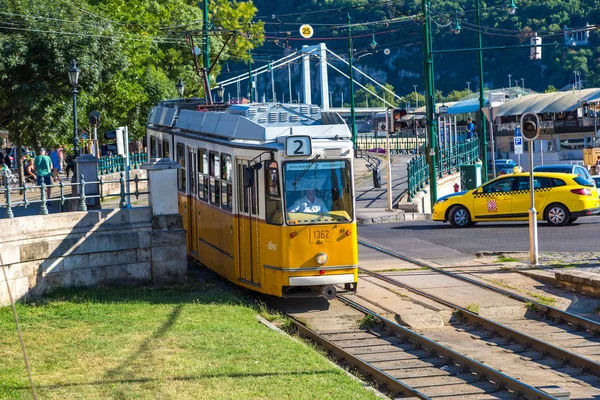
{"x":192,"y":342}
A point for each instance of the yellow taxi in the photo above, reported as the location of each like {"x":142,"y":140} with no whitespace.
{"x":559,"y":199}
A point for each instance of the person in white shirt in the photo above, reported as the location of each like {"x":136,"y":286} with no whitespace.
{"x":309,"y":203}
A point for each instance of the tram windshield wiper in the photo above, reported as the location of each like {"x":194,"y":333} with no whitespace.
{"x":305,"y":169}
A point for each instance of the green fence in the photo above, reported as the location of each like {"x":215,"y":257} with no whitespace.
{"x":450,"y":160}
{"x":398,"y":145}
{"x":110,"y":164}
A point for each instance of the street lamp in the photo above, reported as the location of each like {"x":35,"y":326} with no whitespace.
{"x":220,"y":93}
{"x":416,"y":97}
{"x":180,"y":88}
{"x":512,"y":8}
{"x":74,"y":79}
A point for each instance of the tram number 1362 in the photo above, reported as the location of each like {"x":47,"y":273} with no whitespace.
{"x":322,"y":235}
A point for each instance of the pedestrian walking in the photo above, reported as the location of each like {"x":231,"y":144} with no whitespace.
{"x":43,"y":168}
{"x":56,"y":168}
{"x":470,"y":129}
{"x":70,"y":164}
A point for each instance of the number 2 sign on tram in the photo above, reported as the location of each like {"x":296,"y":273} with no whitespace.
{"x":296,"y":146}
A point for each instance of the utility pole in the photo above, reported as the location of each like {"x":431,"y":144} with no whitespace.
{"x":250,"y":93}
{"x":509,"y":81}
{"x":206,"y":41}
{"x":468,"y":90}
{"x":430,"y":103}
{"x":482,"y":124}
{"x":352,"y":112}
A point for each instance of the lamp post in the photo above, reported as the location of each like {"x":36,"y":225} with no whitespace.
{"x":220,"y":93}
{"x":74,"y":78}
{"x":416,"y":97}
{"x":509,"y":81}
{"x":430,"y":103}
{"x":352,"y":111}
{"x":482,"y":122}
{"x":180,"y":88}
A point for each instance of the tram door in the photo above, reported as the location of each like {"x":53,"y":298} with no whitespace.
{"x":248,"y":246}
{"x":192,"y":169}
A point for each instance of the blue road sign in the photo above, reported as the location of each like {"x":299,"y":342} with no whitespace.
{"x":518,"y":141}
{"x":518,"y":131}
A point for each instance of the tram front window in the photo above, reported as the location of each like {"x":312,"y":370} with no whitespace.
{"x":318,"y":191}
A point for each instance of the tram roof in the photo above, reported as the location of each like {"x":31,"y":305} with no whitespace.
{"x":261,"y":122}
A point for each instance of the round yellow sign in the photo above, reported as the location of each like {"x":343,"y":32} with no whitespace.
{"x":306,"y":31}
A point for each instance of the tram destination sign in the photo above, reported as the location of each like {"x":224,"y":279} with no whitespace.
{"x":298,"y":146}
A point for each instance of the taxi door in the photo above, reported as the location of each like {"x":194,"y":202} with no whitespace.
{"x":494,"y":200}
{"x":522,"y":196}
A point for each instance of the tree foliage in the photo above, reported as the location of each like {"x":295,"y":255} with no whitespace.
{"x":130,"y":52}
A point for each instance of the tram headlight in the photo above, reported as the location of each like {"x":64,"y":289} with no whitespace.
{"x":321,"y":258}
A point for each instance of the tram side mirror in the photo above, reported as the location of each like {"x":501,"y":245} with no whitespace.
{"x":376,"y":178}
{"x":248,"y":176}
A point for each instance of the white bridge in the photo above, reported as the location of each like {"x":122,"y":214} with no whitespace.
{"x":319,"y":53}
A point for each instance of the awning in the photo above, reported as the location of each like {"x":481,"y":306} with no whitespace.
{"x":549,"y":102}
{"x":466,"y":106}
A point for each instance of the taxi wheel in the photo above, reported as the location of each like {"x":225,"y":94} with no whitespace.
{"x":557,"y":214}
{"x":460,"y":217}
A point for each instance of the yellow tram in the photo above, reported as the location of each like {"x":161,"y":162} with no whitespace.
{"x":266,"y":192}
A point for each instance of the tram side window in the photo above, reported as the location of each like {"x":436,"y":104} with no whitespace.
{"x":214,"y":167}
{"x":226,"y":188}
{"x":181,"y":177}
{"x":202,"y":174}
{"x":273,"y":194}
{"x":153,"y":153}
{"x":159,"y":151}
{"x":166,"y":153}
{"x":193,"y":167}
{"x":242,"y":188}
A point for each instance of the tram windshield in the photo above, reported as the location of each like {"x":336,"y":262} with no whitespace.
{"x":317,"y":192}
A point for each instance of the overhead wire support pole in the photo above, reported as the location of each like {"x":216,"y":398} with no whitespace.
{"x":250,"y":92}
{"x":430,"y":103}
{"x":482,"y":120}
{"x":206,"y":42}
{"x":352,"y":111}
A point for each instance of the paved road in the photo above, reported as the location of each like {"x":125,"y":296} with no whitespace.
{"x":369,"y":197}
{"x":433,"y":239}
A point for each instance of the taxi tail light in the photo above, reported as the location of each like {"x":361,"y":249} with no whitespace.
{"x":582,"y":191}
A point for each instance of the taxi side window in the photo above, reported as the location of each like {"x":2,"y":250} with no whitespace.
{"x":500,"y":186}
{"x":557,"y":182}
{"x":538,"y":183}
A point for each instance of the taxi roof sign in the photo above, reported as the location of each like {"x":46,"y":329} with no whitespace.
{"x":306,"y":31}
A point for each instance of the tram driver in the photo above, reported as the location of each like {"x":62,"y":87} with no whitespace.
{"x":309,"y":203}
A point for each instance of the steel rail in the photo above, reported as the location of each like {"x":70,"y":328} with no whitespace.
{"x":526,"y":341}
{"x":358,"y":363}
{"x":549,"y":311}
{"x":499,"y":379}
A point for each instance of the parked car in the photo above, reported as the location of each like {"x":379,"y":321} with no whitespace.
{"x":559,"y":199}
{"x":596,"y":179}
{"x":566,"y":169}
{"x":503,"y":166}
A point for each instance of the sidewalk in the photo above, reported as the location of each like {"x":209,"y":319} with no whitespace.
{"x":371,"y":203}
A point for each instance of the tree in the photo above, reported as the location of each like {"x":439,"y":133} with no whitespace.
{"x":130,"y":53}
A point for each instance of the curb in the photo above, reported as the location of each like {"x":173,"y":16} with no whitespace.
{"x":386,"y":216}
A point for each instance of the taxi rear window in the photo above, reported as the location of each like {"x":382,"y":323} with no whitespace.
{"x":583,"y":182}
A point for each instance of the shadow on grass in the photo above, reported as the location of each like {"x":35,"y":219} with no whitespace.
{"x":179,"y":378}
{"x":192,"y":292}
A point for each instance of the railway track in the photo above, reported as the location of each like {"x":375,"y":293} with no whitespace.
{"x":410,"y":364}
{"x":568,"y":338}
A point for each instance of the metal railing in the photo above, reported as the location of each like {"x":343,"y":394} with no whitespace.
{"x":398,"y":144}
{"x":450,"y":160}
{"x":111,"y":164}
{"x":15,"y":196}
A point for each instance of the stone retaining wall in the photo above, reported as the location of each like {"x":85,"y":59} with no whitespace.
{"x":123,"y":246}
{"x":579,"y":281}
